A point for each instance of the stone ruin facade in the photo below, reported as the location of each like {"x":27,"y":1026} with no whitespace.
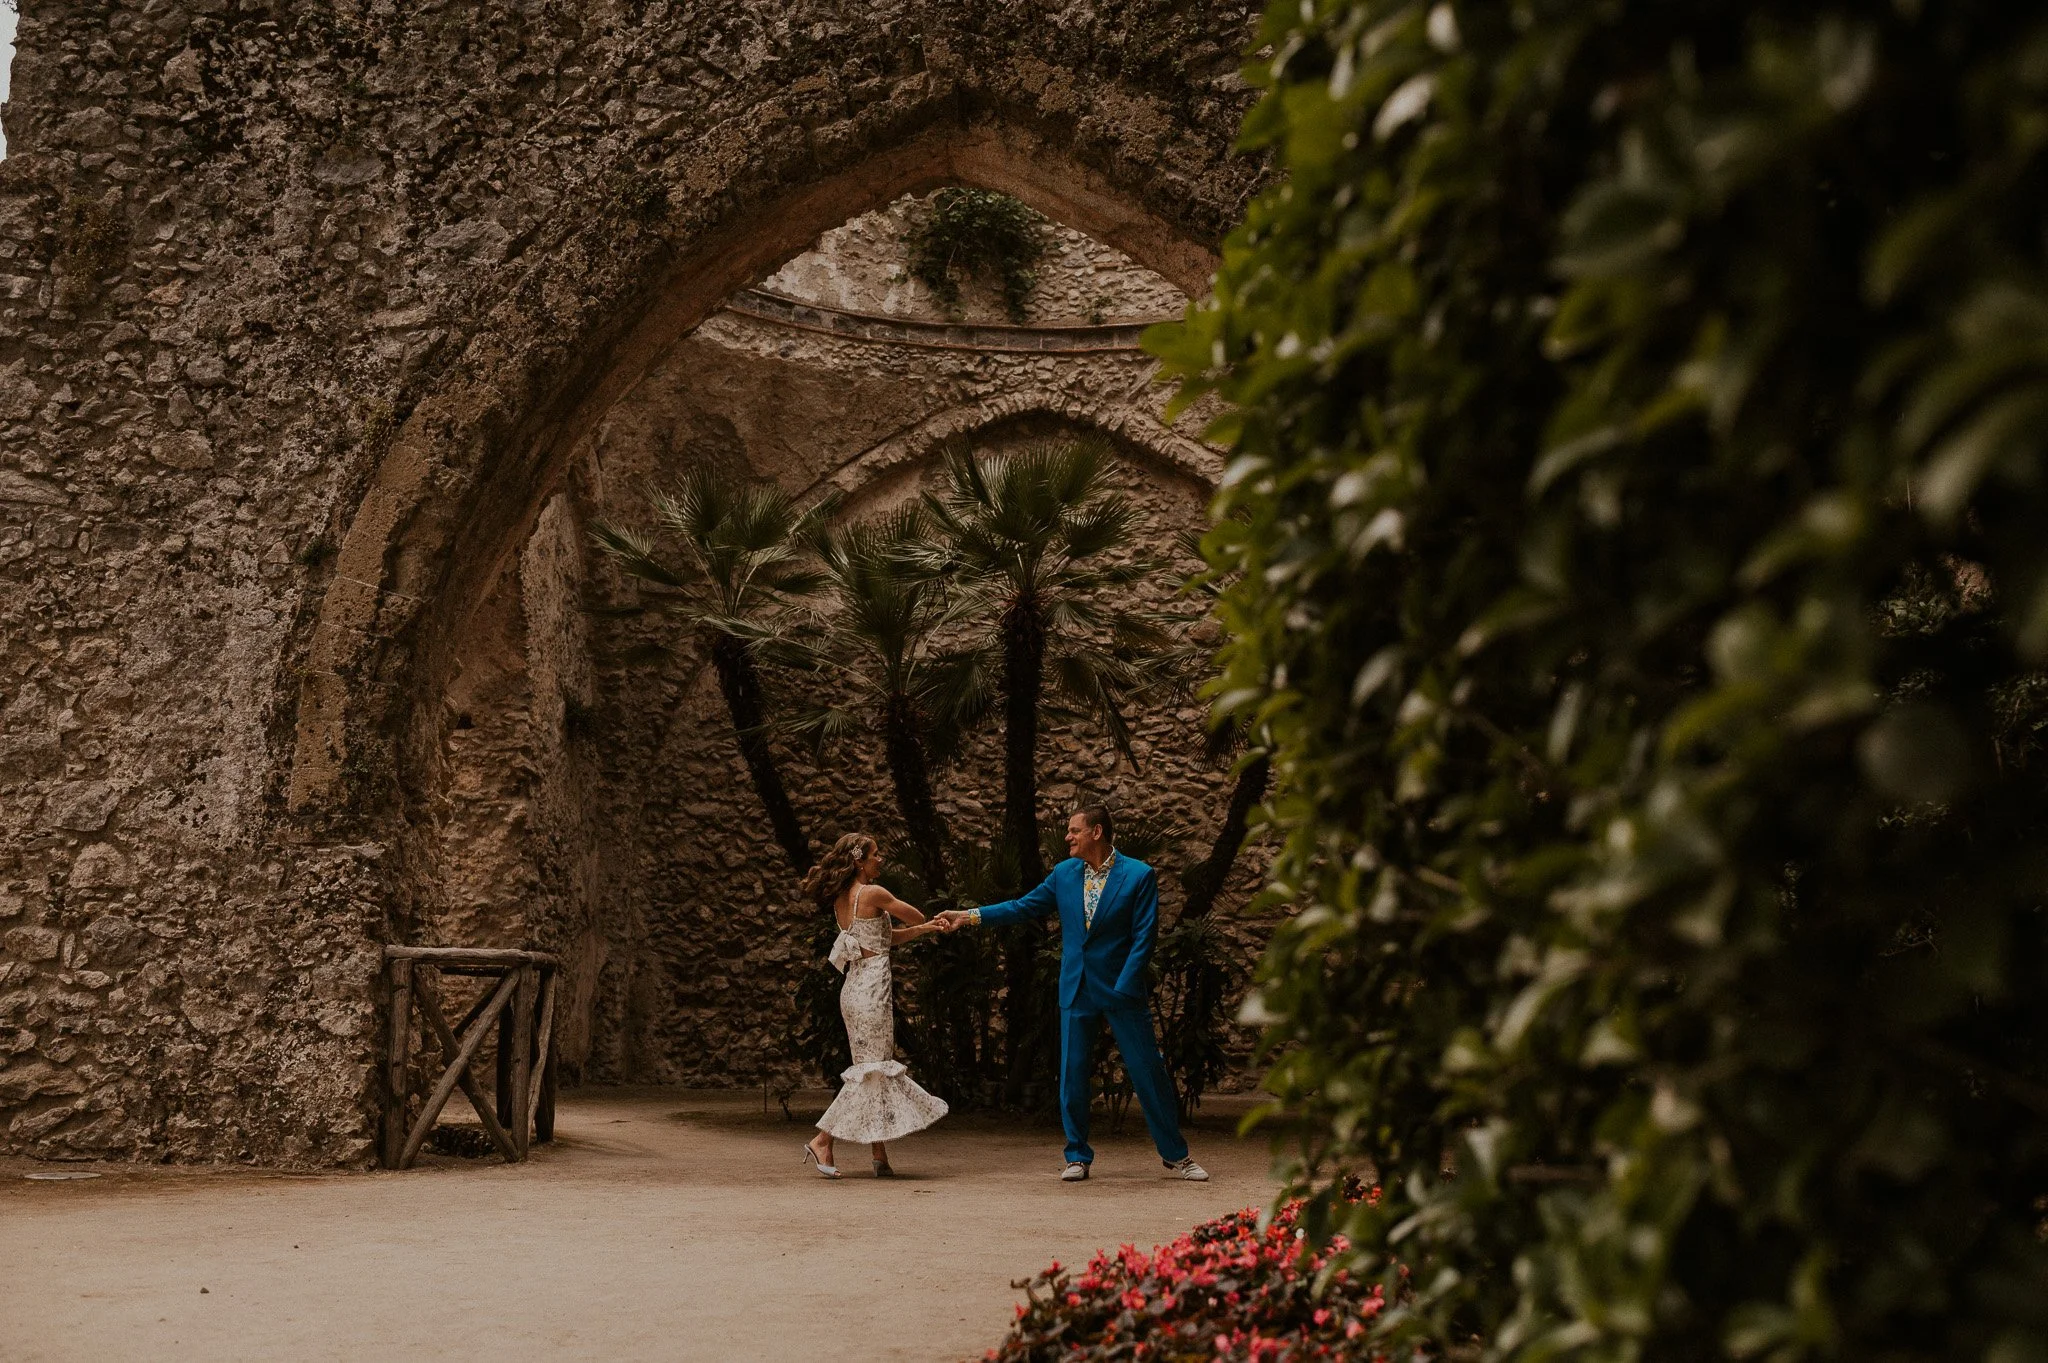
{"x":325,"y":331}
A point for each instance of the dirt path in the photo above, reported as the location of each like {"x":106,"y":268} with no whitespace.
{"x":662,"y":1225}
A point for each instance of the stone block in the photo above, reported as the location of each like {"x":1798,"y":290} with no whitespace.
{"x":19,"y":487}
{"x":32,"y":944}
{"x":111,"y":940}
{"x":27,"y":1126}
{"x":100,"y":867}
{"x":88,"y":128}
{"x":36,"y":1079}
{"x":82,"y":806}
{"x":183,"y":73}
{"x":183,"y":450}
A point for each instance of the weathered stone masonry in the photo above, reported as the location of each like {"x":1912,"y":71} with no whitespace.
{"x":303,"y":311}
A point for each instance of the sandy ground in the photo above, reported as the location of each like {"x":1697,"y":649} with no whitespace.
{"x":660,"y":1225}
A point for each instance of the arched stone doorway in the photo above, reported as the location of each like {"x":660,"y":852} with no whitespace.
{"x":470,"y":468}
{"x":370,"y":269}
{"x":583,"y":791}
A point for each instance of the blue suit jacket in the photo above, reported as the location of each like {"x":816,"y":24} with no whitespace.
{"x":1102,"y":966}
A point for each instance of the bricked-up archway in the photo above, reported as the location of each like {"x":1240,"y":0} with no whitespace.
{"x":299,"y":306}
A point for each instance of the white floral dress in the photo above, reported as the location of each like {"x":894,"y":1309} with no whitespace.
{"x":878,"y":1100}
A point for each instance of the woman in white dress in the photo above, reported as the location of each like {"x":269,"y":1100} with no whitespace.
{"x":878,"y":1101}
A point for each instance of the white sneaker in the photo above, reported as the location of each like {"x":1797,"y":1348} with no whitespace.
{"x":1185,"y":1167}
{"x":1076,"y":1172}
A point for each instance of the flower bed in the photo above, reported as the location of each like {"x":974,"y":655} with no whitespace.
{"x":1227,"y":1290}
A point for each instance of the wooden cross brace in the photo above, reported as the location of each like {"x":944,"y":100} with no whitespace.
{"x":521,"y":1006}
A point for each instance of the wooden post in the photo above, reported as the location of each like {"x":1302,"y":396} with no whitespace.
{"x":396,"y":1054}
{"x":542,"y":1110}
{"x":522,"y":1012}
{"x":502,"y":1081}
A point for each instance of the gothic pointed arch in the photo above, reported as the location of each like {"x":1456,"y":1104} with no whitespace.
{"x":472,"y":464}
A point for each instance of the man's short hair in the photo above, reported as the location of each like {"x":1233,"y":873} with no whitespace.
{"x":1098,"y":816}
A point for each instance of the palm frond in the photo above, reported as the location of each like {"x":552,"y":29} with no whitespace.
{"x":1099,"y":527}
{"x":956,"y":690}
{"x":1095,"y":577}
{"x":1075,"y":470}
{"x":1147,"y":632}
{"x":1097,"y":683}
{"x":636,"y":557}
{"x":820,"y":727}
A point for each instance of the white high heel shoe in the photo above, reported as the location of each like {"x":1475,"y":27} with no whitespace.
{"x":825,"y":1170}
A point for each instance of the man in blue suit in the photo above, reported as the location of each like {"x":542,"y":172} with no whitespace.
{"x":1109,"y":922}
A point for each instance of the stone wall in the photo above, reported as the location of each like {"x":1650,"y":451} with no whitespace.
{"x":305,"y":315}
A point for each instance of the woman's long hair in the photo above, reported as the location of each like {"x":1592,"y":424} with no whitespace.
{"x":830,"y":877}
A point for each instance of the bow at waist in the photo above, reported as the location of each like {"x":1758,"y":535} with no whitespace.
{"x":847,"y":949}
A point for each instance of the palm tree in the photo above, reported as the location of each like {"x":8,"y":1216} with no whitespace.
{"x":1205,"y":880}
{"x":1197,"y":660}
{"x":1026,"y":542}
{"x":740,"y":572}
{"x":877,"y":641}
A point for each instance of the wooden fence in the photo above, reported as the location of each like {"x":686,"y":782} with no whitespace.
{"x":521,"y":1106}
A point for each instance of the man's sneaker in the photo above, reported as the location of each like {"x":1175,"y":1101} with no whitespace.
{"x":1185,"y":1167}
{"x":1076,"y":1171}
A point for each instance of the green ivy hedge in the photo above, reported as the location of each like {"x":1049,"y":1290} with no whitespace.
{"x":1637,"y":512}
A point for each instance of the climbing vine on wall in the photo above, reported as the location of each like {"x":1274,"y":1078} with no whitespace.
{"x":978,"y":233}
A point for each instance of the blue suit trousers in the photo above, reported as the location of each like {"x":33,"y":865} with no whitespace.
{"x":1131,"y":1025}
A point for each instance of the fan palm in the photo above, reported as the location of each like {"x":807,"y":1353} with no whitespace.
{"x":1027,"y":540}
{"x":877,"y":641}
{"x":1194,"y":664}
{"x":740,"y":571}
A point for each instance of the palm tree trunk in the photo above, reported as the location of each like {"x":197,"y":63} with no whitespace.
{"x":1023,"y":684}
{"x":1206,"y":880}
{"x":746,"y":702}
{"x":910,"y":772}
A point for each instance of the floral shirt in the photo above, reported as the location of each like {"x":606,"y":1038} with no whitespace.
{"x":1091,"y":887}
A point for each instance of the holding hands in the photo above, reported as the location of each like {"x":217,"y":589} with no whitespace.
{"x":945,"y":915}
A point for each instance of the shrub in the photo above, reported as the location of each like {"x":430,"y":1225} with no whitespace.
{"x":1197,"y":981}
{"x":1234,"y":1288}
{"x":973,"y":233}
{"x":1633,"y":510}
